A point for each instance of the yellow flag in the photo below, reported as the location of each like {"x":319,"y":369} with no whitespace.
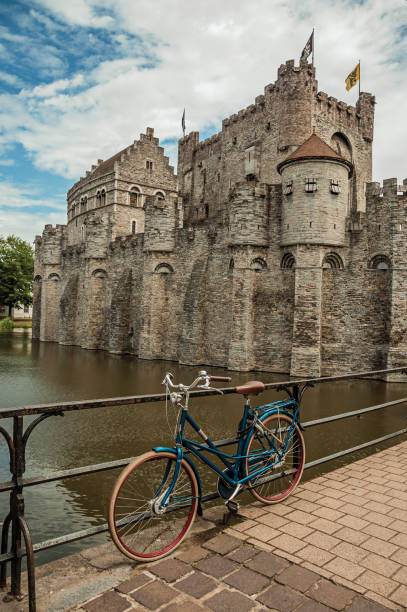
{"x":353,"y":77}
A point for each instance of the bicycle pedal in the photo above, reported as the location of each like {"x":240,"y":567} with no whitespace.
{"x":233,"y":506}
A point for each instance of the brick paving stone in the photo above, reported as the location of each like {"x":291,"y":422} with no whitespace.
{"x":280,"y":509}
{"x":244,"y":525}
{"x":379,"y":507}
{"x":133,"y":583}
{"x":377,"y":583}
{"x":154,"y":595}
{"x":344,"y":568}
{"x":288,"y":543}
{"x":301,"y":517}
{"x":361,"y":604}
{"x":328,"y":513}
{"x":188,"y":606}
{"x":331,"y":502}
{"x":313,"y":606}
{"x":266,"y":563}
{"x":281,"y":598}
{"x":305,"y":506}
{"x":193,"y":554}
{"x":315,"y":555}
{"x":170,"y":569}
{"x":240,"y":535}
{"x":296,"y":530}
{"x":308,"y":495}
{"x":216,"y":566}
{"x":381,"y":565}
{"x":354,"y":510}
{"x":262,"y":532}
{"x":353,"y":522}
{"x":242,"y":554}
{"x":322,"y":540}
{"x":251,"y":511}
{"x":400,"y":596}
{"x":351,"y":535}
{"x":399,"y":526}
{"x":108,"y":602}
{"x":272,"y":520}
{"x":379,"y":519}
{"x":297,"y":577}
{"x":385,"y":549}
{"x":222,"y":544}
{"x":331,"y":595}
{"x":326,"y":526}
{"x":400,"y":539}
{"x":383,"y":533}
{"x":401,"y":575}
{"x":247,"y":581}
{"x":225,"y":601}
{"x":260,"y":544}
{"x":349,"y":552}
{"x":197,"y":585}
{"x":400,"y":556}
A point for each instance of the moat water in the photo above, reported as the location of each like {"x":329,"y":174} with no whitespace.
{"x":33,"y":373}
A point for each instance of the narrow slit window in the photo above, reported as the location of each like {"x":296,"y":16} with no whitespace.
{"x":149,"y":165}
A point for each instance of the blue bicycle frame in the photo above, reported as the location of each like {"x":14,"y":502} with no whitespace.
{"x":234,"y":464}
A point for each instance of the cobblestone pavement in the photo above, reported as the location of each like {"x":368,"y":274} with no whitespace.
{"x":339,"y":543}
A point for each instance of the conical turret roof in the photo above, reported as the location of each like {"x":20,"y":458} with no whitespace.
{"x":314,"y":148}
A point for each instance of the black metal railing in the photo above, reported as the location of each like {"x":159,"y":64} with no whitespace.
{"x":17,"y":442}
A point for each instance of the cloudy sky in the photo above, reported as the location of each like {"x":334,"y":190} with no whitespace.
{"x":80,"y":79}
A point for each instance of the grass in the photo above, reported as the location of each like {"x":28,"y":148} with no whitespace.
{"x":7,"y":325}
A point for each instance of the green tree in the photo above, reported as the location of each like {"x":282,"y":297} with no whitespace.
{"x":16,"y":272}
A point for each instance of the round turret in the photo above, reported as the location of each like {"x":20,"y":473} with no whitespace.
{"x":315,"y":183}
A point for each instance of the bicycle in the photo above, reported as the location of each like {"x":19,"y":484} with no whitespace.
{"x":156,"y":497}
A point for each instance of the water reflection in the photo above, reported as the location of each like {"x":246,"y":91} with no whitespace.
{"x":33,"y":372}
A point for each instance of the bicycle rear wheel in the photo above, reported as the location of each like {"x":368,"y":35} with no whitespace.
{"x":140,"y":526}
{"x":284,"y":442}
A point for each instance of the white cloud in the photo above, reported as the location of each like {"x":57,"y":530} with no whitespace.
{"x":27,"y":225}
{"x":213,"y":58}
{"x":25,"y":197}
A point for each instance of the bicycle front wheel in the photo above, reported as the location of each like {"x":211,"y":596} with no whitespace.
{"x":284,"y":450}
{"x":141,"y":525}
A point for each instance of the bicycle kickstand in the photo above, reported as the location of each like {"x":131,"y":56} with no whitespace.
{"x":233,"y":506}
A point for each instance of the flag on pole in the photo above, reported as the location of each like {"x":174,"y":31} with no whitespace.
{"x":353,"y":77}
{"x":309,"y":47}
{"x":183,"y":122}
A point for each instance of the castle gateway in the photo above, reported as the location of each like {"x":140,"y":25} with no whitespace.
{"x":271,"y":250}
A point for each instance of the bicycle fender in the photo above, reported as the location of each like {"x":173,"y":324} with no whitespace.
{"x":274,"y":411}
{"x":176,"y":452}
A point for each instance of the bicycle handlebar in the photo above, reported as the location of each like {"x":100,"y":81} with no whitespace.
{"x":202,"y":378}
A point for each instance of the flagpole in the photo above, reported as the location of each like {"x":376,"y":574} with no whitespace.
{"x":359,"y":78}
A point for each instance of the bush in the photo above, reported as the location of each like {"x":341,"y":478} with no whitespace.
{"x":6,"y":324}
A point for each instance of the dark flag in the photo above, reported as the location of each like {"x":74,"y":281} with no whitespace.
{"x":183,"y":122}
{"x":309,"y":48}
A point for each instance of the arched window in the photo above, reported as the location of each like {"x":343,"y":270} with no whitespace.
{"x":288,"y":261}
{"x":163,"y":268}
{"x":54,"y":277}
{"x":134,"y":227}
{"x":379,"y":262}
{"x":99,"y":273}
{"x":258,"y":264}
{"x":341,"y":145}
{"x":333,"y":260}
{"x":84,"y":203}
{"x":103,"y":197}
{"x":135,"y":197}
{"x":159,"y":195}
{"x":98,"y":198}
{"x":37,"y":279}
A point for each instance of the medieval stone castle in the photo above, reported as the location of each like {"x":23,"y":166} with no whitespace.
{"x":272,"y":249}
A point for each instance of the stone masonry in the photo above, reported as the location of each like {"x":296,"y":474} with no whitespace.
{"x":272,"y":249}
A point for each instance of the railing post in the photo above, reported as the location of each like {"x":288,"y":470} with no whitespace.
{"x":16,"y":509}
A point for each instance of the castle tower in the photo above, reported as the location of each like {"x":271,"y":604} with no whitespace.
{"x":314,"y":210}
{"x":315,"y":195}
